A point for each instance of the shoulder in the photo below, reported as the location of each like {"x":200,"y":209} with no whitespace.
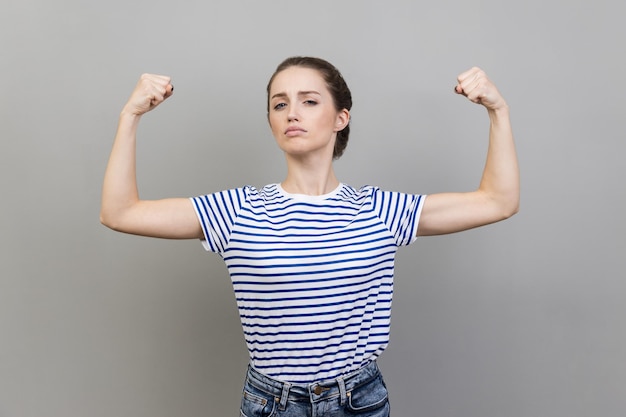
{"x":350,"y":192}
{"x":231,"y":197}
{"x":377,"y":195}
{"x":250,"y":192}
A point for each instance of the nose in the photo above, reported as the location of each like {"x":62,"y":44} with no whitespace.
{"x":292,"y":115}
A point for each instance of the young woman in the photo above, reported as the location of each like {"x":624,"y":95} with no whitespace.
{"x":311,"y":259}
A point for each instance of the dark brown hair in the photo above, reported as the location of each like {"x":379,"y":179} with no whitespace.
{"x":342,"y":98}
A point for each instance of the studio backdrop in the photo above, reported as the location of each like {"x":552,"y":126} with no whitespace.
{"x":521,"y":318}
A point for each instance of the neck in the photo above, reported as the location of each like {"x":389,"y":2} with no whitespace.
{"x":309,"y":178}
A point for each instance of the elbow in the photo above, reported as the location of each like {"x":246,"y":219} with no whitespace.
{"x":510,"y":213}
{"x":501,"y":206}
{"x":108,"y":220}
{"x":510,"y":208}
{"x":120,"y":218}
{"x":105,"y":220}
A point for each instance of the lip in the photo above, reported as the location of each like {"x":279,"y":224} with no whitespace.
{"x":294,"y":130}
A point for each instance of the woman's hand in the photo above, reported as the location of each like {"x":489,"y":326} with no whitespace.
{"x":479,"y":89}
{"x":150,"y":91}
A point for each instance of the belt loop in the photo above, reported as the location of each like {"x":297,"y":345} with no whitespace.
{"x":284,"y":396}
{"x":342,"y":390}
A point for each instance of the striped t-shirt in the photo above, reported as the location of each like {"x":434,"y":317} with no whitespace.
{"x":312,"y":275}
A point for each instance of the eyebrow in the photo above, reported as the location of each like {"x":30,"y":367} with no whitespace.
{"x":300,"y":93}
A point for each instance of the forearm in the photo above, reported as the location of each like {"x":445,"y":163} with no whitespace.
{"x":119,"y":190}
{"x":500,"y":180}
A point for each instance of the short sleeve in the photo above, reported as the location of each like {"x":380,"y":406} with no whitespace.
{"x":217,"y":214}
{"x":400,"y":212}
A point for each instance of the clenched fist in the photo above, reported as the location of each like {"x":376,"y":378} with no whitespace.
{"x":475,"y":85}
{"x":150,"y":91}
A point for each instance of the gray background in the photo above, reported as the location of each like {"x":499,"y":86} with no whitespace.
{"x":521,"y":318}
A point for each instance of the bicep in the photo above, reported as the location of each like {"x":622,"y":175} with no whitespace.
{"x":172,"y":218}
{"x":454,"y":212}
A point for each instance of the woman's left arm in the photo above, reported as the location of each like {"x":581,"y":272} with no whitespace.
{"x":497,"y":197}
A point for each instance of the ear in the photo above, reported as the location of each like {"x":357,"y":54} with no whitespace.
{"x":343,"y":118}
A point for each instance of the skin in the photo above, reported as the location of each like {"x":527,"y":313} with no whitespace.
{"x":305,"y":122}
{"x":498,"y":193}
{"x":121,"y":208}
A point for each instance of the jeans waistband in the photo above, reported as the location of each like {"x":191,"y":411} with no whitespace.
{"x":314,"y":392}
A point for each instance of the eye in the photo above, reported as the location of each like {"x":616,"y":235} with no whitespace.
{"x":279,"y":106}
{"x":310,"y":102}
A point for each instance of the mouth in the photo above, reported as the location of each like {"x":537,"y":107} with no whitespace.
{"x":294,"y":131}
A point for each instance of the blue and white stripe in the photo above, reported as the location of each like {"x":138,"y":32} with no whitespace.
{"x":313,"y":276}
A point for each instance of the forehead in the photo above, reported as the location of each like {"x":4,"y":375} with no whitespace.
{"x":294,"y":79}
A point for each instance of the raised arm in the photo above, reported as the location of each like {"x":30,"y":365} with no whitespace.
{"x":121,"y":207}
{"x":497,"y":197}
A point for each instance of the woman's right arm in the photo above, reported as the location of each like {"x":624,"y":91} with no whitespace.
{"x":121,"y":207}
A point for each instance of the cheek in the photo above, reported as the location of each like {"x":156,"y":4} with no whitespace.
{"x":274,"y":126}
{"x":270,"y":122}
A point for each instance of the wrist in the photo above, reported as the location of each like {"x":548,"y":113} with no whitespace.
{"x":500,"y":112}
{"x":127,"y":116}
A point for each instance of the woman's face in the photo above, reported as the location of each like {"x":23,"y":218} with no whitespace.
{"x":302,"y":113}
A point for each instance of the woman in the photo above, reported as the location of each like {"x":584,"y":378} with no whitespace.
{"x":311,"y":259}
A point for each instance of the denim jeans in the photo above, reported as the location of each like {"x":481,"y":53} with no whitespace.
{"x":359,"y":394}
